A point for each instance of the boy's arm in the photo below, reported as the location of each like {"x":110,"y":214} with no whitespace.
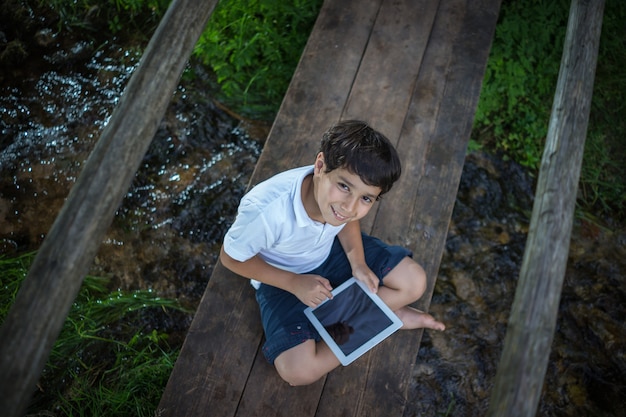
{"x":352,"y":243}
{"x":310,"y":289}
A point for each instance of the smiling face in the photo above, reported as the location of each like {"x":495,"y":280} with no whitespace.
{"x":339,"y":196}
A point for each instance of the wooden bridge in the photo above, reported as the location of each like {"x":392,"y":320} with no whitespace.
{"x":413,"y":69}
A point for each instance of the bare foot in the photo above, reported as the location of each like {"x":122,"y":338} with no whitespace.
{"x":416,"y":319}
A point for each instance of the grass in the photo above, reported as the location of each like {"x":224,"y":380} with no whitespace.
{"x":516,"y":98}
{"x":108,"y":359}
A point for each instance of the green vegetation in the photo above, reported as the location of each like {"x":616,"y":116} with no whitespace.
{"x":253,"y":48}
{"x":106,"y":361}
{"x":520,"y":79}
{"x":518,"y":91}
{"x":117,"y":15}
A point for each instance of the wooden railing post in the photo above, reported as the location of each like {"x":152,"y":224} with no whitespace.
{"x":35,"y":320}
{"x":524,"y":360}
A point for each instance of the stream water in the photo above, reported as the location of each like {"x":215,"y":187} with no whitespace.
{"x":167,"y":232}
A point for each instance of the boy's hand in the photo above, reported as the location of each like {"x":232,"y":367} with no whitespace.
{"x":312,"y":289}
{"x":364,"y":274}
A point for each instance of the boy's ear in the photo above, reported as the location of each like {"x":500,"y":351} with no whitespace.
{"x":319,"y":162}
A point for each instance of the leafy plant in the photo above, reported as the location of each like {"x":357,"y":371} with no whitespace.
{"x":106,"y":361}
{"x":518,"y":89}
{"x":253,"y":47}
{"x":603,"y":176}
{"x":520,"y":79}
{"x":115,"y":15}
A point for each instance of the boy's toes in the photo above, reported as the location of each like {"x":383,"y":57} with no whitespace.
{"x":437,"y":325}
{"x":416,"y":319}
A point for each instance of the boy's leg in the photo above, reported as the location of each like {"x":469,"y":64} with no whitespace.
{"x":306,"y":363}
{"x":296,"y":350}
{"x":403,"y":285}
{"x":403,"y":280}
{"x":292,"y":343}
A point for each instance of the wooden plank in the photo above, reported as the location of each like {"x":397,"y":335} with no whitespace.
{"x":432,"y":145}
{"x":320,"y":86}
{"x":267,"y":395}
{"x":382,"y":95}
{"x":315,"y":100}
{"x":384,"y":84}
{"x":213,"y":366}
{"x":440,"y":105}
{"x":46,"y":295}
{"x":215,"y":363}
{"x":388,"y":72}
{"x":440,"y":120}
{"x":436,"y":130}
{"x":521,"y":372}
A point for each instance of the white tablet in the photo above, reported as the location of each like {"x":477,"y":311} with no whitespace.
{"x":353,"y":321}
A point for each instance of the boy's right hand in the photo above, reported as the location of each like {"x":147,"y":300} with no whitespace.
{"x":312,"y":290}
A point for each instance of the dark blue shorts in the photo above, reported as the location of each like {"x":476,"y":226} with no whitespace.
{"x":282,"y":314}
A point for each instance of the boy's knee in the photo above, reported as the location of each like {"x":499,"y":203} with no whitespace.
{"x":296,"y":375}
{"x":418,"y":281}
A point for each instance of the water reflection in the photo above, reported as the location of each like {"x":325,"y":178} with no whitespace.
{"x":181,"y":200}
{"x":48,"y":125}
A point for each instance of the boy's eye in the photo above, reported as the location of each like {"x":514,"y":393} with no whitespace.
{"x":344,"y":186}
{"x":367,"y":199}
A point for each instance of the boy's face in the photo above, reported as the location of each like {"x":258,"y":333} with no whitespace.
{"x":342,"y":196}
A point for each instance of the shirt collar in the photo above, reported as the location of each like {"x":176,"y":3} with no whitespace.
{"x":302,"y":217}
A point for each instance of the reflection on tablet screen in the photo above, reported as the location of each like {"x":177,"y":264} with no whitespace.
{"x":353,"y":321}
{"x":352,"y":318}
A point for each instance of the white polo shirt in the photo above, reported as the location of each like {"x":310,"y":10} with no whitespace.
{"x":272,"y":222}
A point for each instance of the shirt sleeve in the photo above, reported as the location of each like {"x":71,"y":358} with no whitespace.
{"x":249,"y":234}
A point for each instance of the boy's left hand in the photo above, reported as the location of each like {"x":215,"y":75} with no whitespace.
{"x":364,"y":274}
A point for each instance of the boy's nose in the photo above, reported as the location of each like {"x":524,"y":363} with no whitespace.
{"x":349,"y":206}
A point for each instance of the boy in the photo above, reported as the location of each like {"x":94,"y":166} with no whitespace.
{"x":297,"y":236}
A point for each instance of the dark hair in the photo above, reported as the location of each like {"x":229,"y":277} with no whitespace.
{"x":363,"y":151}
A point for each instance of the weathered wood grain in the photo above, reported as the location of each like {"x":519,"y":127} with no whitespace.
{"x":47,"y":293}
{"x":314,"y":101}
{"x":320,"y":86}
{"x":522,"y":368}
{"x":417,"y":211}
{"x":413,"y":70}
{"x":384,"y":84}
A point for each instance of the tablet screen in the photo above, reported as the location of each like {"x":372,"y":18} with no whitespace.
{"x":353,"y":321}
